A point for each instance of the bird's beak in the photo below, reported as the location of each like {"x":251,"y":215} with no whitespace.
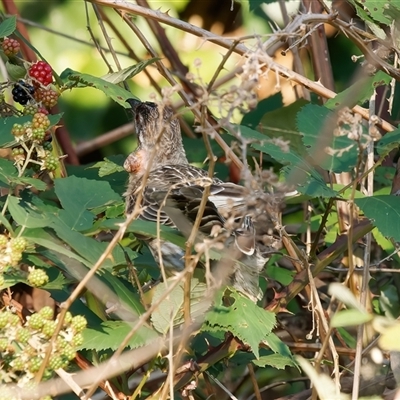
{"x":134,"y":103}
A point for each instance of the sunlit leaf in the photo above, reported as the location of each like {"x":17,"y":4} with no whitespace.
{"x":129,"y":72}
{"x":77,"y":79}
{"x":243,"y":318}
{"x":383,"y":211}
{"x":110,"y":334}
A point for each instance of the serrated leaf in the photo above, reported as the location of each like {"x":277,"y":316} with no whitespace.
{"x":107,"y":167}
{"x":8,"y":26}
{"x":312,"y":121}
{"x":117,"y":93}
{"x":351,"y":317}
{"x":389,"y":142}
{"x":78,"y":195}
{"x":243,"y":318}
{"x":376,"y":9}
{"x":277,"y":361}
{"x":359,"y":92}
{"x":129,"y":72}
{"x":110,"y":334}
{"x":171,"y":308}
{"x":382,"y":211}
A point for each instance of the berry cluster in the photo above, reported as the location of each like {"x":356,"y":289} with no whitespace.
{"x":34,"y":133}
{"x":11,"y":251}
{"x":22,"y":92}
{"x":23,"y":345}
{"x":10,"y":46}
{"x":41,"y":72}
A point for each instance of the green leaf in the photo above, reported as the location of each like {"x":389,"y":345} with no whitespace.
{"x":243,"y":318}
{"x":8,"y":26}
{"x":24,"y":215}
{"x":117,"y":93}
{"x":253,"y":118}
{"x":350,"y":318}
{"x":78,"y":195}
{"x":45,"y":239}
{"x":110,"y":334}
{"x":359,"y":92}
{"x":148,"y":229}
{"x":107,"y":167}
{"x":171,"y":308}
{"x":281,"y":275}
{"x":376,"y":9}
{"x":316,"y":124}
{"x":256,"y":3}
{"x":15,"y":72}
{"x":383,"y":211}
{"x":127,"y":296}
{"x":277,"y":361}
{"x":9,"y":176}
{"x":297,"y":170}
{"x":129,"y":72}
{"x":281,"y":124}
{"x":389,"y":142}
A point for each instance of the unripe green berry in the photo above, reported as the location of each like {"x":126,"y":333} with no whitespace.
{"x":67,"y":318}
{"x":48,"y":329}
{"x":51,"y":162}
{"x":34,"y":364}
{"x":23,"y":335}
{"x":38,"y":277}
{"x":47,"y":313}
{"x":17,"y":130}
{"x":18,"y":244}
{"x":3,"y":241}
{"x":78,"y":323}
{"x":17,"y":364}
{"x":14,"y":320}
{"x":30,"y":109}
{"x":68,"y":352}
{"x":36,"y":321}
{"x":4,"y":318}
{"x":55,"y":362}
{"x":3,"y":344}
{"x":77,"y":340}
{"x":15,"y":257}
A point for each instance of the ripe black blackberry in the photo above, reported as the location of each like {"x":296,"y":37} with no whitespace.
{"x":22,"y":92}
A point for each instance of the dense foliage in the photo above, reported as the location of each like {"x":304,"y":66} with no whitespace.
{"x":83,"y":302}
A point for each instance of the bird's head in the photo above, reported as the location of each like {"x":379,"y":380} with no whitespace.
{"x":159,"y":136}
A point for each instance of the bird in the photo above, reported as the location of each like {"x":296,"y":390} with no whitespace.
{"x":168,"y":187}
